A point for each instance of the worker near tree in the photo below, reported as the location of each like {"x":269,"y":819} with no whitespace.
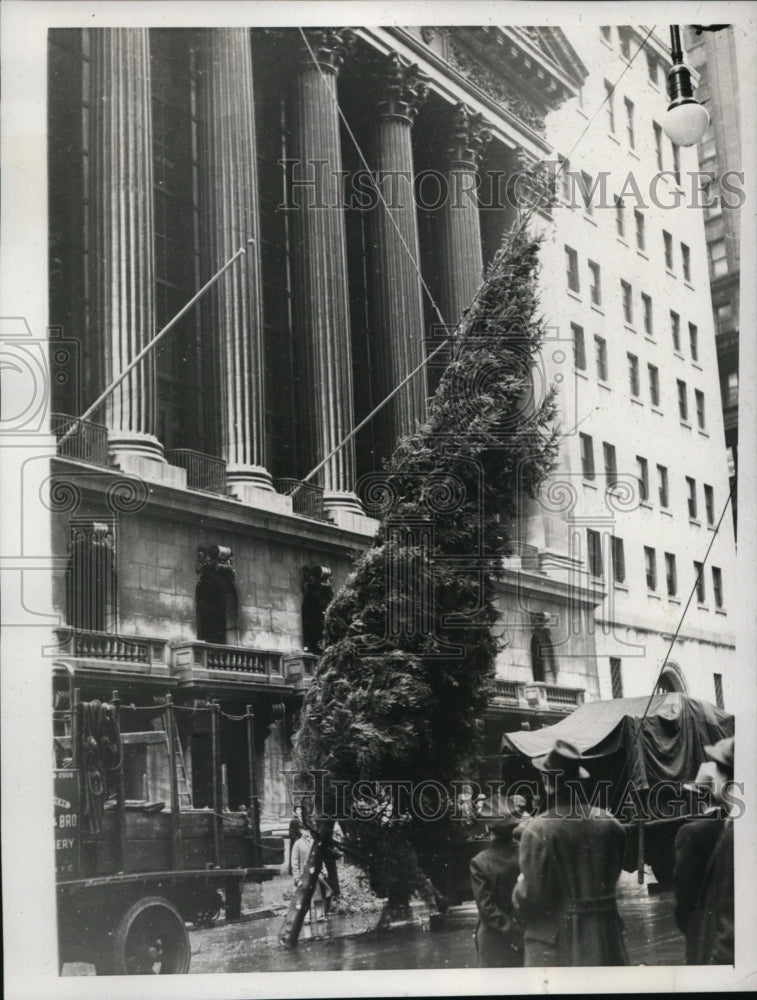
{"x":494,"y":872}
{"x":703,"y":876}
{"x":570,"y":857}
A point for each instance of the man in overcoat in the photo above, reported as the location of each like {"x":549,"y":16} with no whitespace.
{"x":570,"y":856}
{"x":494,"y":872}
{"x":703,"y":876}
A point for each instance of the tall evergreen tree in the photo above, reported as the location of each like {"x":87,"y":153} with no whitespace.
{"x":409,"y":653}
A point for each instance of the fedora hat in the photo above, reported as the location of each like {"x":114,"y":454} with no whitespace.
{"x":501,"y":812}
{"x":722,"y":753}
{"x":563,"y":758}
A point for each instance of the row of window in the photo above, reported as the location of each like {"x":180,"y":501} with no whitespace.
{"x":595,"y":563}
{"x":609,"y":457}
{"x":664,"y":685}
{"x":634,"y":376}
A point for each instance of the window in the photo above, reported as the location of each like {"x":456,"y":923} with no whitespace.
{"x":586,"y":192}
{"x":579,"y":346}
{"x":625,"y":44}
{"x":677,"y":163}
{"x":641,"y":237}
{"x":642,"y":467}
{"x":543,"y":663}
{"x":600,"y":352}
{"x":662,"y":479}
{"x":683,"y":402}
{"x":571,"y":264}
{"x":667,"y":240}
{"x":671,"y":577}
{"x":627,"y":298}
{"x":718,"y":679}
{"x":675,"y":329}
{"x":646,"y":311}
{"x":731,"y":390}
{"x":566,"y":180}
{"x":650,"y":565}
{"x":654,"y":385}
{"x":606,"y":31}
{"x":708,"y":148}
{"x":701,"y":595}
{"x":610,"y":106}
{"x":594,"y":552}
{"x":686,"y":262}
{"x":699,"y":403}
{"x":616,"y":677}
{"x":217,"y":606}
{"x":595,"y":290}
{"x":709,"y":504}
{"x":318,"y":592}
{"x":633,"y":374}
{"x":91,"y":585}
{"x":718,"y":261}
{"x":652,"y":68}
{"x":694,"y":342}
{"x":587,"y":456}
{"x":620,"y":225}
{"x":611,"y":466}
{"x":618,"y":559}
{"x":724,"y":317}
{"x":658,"y":144}
{"x":691,"y":500}
{"x":629,"y":122}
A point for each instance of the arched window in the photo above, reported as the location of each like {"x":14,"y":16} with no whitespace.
{"x":671,"y":680}
{"x":543,"y":663}
{"x":318,"y":591}
{"x":216,"y":597}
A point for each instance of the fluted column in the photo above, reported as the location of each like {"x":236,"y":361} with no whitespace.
{"x":321,"y":290}
{"x":121,"y":247}
{"x":461,"y":252}
{"x":396,"y":293}
{"x":234,"y":308}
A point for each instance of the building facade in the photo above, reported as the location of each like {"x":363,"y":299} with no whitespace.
{"x":196,"y":561}
{"x":713,"y":55}
{"x":644,"y":464}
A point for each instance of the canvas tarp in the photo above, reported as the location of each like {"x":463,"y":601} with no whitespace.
{"x":670,"y":746}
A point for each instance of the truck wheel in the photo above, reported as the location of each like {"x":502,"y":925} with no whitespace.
{"x":151,"y":939}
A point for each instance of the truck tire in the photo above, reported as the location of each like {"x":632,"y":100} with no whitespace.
{"x":150,"y":939}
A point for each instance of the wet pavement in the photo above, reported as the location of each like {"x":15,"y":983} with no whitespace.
{"x":651,"y":936}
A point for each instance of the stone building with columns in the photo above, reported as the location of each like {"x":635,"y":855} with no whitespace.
{"x":194,"y":559}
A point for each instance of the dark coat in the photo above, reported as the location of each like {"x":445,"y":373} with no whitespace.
{"x":715,"y":940}
{"x":695,"y":843}
{"x":570,"y":869}
{"x":499,"y":935}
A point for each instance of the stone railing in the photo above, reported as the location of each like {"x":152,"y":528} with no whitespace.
{"x":86,"y":442}
{"x":537,"y":695}
{"x":307,"y":499}
{"x":299,"y":668}
{"x":204,"y":472}
{"x":195,"y":661}
{"x":106,"y":650}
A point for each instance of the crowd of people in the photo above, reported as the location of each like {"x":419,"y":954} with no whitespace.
{"x":545,"y":886}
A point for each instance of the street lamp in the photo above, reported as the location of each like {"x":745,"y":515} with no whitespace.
{"x":686,"y":120}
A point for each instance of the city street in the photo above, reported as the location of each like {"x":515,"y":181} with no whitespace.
{"x":651,"y":936}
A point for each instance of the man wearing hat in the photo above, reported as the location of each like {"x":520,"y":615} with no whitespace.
{"x":494,"y":872}
{"x":703,"y":876}
{"x":570,"y":857}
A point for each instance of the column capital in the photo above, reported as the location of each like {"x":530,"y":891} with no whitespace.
{"x":402,"y":88}
{"x":469,"y":136}
{"x":330,"y":47}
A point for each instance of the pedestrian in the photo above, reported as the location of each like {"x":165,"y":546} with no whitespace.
{"x":331,"y":854}
{"x":494,"y":872}
{"x":570,"y":858}
{"x":703,"y":875}
{"x":322,"y":891}
{"x":295,"y":829}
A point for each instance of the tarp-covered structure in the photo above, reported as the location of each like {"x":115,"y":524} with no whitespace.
{"x":666,"y":744}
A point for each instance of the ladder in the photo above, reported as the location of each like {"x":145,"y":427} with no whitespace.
{"x":185,"y":789}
